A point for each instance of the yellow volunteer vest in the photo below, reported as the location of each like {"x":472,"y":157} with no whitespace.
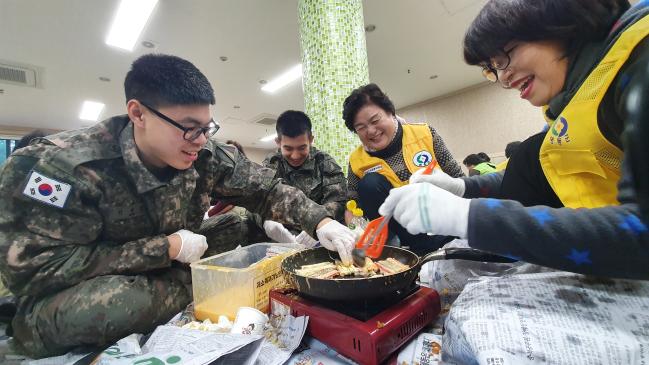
{"x":582,"y":167}
{"x":502,"y":166}
{"x":417,"y":148}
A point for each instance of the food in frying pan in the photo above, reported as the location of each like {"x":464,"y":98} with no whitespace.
{"x":323,"y":270}
{"x":336,"y":270}
{"x":391,"y":266}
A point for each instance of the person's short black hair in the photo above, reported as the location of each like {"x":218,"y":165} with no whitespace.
{"x":472,"y":159}
{"x":368,"y":94}
{"x":24,"y":142}
{"x":293,"y":123}
{"x":485,"y":157}
{"x":511,"y":148}
{"x":163,"y":80}
{"x":571,"y":22}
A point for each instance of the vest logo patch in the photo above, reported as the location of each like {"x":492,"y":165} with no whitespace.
{"x":559,"y":132}
{"x":47,"y":190}
{"x":373,"y":169}
{"x":422,"y":158}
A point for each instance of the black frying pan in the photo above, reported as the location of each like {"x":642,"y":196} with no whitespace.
{"x":366,"y":288}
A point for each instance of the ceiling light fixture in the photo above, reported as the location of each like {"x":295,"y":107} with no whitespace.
{"x":90,"y":110}
{"x":283,"y":79}
{"x":129,"y":21}
{"x":268,"y":138}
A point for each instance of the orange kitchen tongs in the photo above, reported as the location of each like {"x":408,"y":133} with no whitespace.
{"x":376,"y":233}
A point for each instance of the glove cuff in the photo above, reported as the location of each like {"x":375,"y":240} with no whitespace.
{"x":321,"y":229}
{"x":182,"y":244}
{"x":460,"y":224}
{"x":460,"y":187}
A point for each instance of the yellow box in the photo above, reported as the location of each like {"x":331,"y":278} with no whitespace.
{"x":238,"y":278}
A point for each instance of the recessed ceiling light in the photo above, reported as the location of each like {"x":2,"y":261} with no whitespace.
{"x":370,"y":28}
{"x":433,"y":77}
{"x":284,"y":79}
{"x":129,"y":21}
{"x":104,"y":79}
{"x":223,"y":58}
{"x":148,"y":44}
{"x":268,"y":138}
{"x":90,"y":110}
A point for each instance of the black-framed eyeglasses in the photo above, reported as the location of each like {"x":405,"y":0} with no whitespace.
{"x":189,"y":134}
{"x":498,"y":63}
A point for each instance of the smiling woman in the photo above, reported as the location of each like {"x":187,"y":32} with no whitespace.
{"x":552,"y":52}
{"x":390,"y":152}
{"x":557,"y":203}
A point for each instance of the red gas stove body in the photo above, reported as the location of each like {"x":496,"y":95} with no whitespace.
{"x":371,"y":341}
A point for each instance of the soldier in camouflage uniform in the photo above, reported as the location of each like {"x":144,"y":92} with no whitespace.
{"x":305,"y":167}
{"x":96,"y":224}
{"x":298,"y":164}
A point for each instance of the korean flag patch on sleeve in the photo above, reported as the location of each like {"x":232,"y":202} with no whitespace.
{"x":47,"y":190}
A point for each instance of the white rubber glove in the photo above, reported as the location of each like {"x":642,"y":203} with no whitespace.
{"x":304,"y":239}
{"x":278,"y":233}
{"x":192,"y":246}
{"x":439,"y":178}
{"x":336,"y":237}
{"x":425,"y":208}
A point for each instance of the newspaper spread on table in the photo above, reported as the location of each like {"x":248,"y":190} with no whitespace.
{"x":558,"y":318}
{"x":318,"y":353}
{"x":170,"y":344}
{"x":284,"y":337}
{"x":425,"y":349}
{"x":449,"y":277}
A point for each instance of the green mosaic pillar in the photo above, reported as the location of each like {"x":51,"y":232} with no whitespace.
{"x":334,"y":62}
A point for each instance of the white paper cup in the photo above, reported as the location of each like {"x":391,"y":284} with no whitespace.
{"x":249,"y":321}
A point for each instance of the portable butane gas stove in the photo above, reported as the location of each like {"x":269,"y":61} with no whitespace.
{"x":367,"y":331}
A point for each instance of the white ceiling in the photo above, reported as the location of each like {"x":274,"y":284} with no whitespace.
{"x":259,"y":37}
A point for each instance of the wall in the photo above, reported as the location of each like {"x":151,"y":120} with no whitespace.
{"x":480,"y":119}
{"x":14,"y":132}
{"x":257,"y":154}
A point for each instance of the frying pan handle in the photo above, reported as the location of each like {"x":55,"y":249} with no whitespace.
{"x":457,"y":253}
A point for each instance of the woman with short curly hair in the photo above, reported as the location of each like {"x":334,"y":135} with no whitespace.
{"x":578,"y":59}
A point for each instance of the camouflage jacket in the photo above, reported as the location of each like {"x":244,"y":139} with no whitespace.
{"x":320,"y":178}
{"x":116,"y":215}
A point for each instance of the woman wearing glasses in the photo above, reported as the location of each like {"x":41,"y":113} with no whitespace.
{"x":389,"y":153}
{"x":576,"y":59}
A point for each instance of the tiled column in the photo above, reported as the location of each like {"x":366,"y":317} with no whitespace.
{"x":334,"y":62}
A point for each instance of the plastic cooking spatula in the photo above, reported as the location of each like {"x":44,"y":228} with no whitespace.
{"x":376,"y":234}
